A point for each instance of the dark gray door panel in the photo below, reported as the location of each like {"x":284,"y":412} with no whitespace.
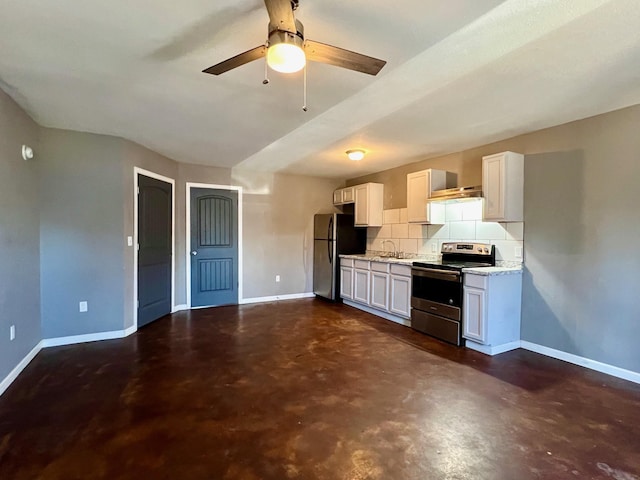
{"x":214,"y":247}
{"x":154,"y":254}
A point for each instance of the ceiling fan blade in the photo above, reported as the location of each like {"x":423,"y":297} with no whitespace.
{"x":281,"y":15}
{"x":237,"y":61}
{"x":320,"y":52}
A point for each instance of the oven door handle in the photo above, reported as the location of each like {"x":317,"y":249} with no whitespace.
{"x":446,"y":275}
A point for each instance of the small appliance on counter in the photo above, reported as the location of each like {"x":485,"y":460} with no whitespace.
{"x":334,"y":234}
{"x":437,"y":288}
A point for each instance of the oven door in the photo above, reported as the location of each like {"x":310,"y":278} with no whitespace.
{"x":436,"y":286}
{"x":436,"y":300}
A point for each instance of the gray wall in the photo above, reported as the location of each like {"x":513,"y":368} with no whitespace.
{"x":278,"y":230}
{"x":81,"y":232}
{"x":87,"y":208}
{"x":582,"y":224}
{"x":19,"y":236}
{"x":581,"y":212}
{"x":277,"y":223}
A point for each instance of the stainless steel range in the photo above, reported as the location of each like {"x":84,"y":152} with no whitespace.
{"x":437,"y":287}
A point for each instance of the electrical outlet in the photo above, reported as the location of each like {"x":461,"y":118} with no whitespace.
{"x":12,"y":332}
{"x":84,"y":306}
{"x":518,"y":252}
{"x":277,"y":278}
{"x":434,"y":248}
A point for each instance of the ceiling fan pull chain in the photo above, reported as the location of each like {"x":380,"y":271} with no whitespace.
{"x":266,"y":72}
{"x":304,"y":103}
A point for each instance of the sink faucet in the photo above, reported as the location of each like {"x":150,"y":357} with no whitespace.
{"x":395,"y":252}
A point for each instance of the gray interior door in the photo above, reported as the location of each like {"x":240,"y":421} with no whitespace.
{"x":154,"y":254}
{"x":214,"y":247}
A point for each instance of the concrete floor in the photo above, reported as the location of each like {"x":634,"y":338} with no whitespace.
{"x":310,"y":390}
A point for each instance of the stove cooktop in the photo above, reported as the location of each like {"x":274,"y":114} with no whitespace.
{"x":456,"y":256}
{"x":445,"y":265}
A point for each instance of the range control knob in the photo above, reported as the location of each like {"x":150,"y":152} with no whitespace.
{"x":486,"y":250}
{"x":480,"y":249}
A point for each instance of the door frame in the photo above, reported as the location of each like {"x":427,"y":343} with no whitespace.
{"x":211,"y":186}
{"x":137,"y":171}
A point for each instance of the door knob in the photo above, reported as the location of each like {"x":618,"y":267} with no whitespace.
{"x":194,"y":253}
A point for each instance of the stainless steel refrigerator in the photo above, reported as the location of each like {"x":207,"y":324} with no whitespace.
{"x":334,"y":234}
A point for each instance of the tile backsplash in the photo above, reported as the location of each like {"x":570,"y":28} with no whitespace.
{"x":463,"y":222}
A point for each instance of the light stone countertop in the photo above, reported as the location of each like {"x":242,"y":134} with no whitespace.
{"x":503,"y":268}
{"x":493,"y":271}
{"x":380,"y":259}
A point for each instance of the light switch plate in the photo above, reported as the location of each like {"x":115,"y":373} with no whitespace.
{"x":518,"y":252}
{"x":129,"y":241}
{"x":84,"y":306}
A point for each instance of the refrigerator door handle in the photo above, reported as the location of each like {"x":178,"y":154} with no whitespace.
{"x":330,"y":242}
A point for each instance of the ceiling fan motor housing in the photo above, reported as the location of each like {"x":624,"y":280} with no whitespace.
{"x":281,"y":36}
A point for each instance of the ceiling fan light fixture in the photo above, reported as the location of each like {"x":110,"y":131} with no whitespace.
{"x":356,"y":154}
{"x":286,"y":58}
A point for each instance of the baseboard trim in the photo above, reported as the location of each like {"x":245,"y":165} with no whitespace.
{"x":130,"y":331}
{"x":388,"y":316}
{"x":276,"y":298}
{"x":8,"y":380}
{"x":90,"y":337}
{"x":180,"y":308}
{"x":582,"y":361}
{"x":492,"y":350}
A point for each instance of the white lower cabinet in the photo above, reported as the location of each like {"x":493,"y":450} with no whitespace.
{"x":379,"y":285}
{"x":474,"y":314}
{"x":491,"y":312}
{"x":382,"y":288}
{"x":400,"y":296}
{"x":346,"y":282}
{"x":361,"y":282}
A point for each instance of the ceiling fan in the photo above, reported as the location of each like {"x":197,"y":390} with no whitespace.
{"x":287,"y":50}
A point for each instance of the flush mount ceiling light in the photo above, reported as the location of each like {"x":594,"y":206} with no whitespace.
{"x":355,"y":154}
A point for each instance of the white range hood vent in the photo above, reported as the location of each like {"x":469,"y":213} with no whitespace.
{"x":453,"y":195}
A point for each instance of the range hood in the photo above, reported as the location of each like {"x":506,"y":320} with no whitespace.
{"x":459,"y":194}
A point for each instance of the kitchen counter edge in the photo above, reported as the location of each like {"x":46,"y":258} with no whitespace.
{"x":368,"y":258}
{"x":494,"y":271}
{"x":486,"y":271}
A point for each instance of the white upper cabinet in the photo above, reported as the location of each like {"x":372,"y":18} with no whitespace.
{"x":343,"y":195}
{"x":347,"y":195}
{"x":419,"y":188}
{"x":368,"y":204}
{"x":503,"y":187}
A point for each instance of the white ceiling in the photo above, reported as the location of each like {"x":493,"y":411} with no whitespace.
{"x":460,"y":73}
